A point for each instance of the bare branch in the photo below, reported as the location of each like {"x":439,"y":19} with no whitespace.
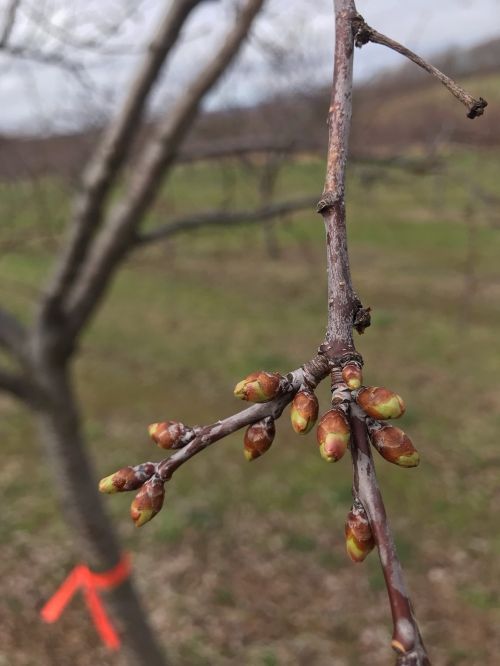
{"x":367,"y":34}
{"x":224,"y":218}
{"x":342,"y":303}
{"x":406,"y":639}
{"x":10,"y":19}
{"x":103,"y":169}
{"x":118,"y":233}
{"x":12,"y":335}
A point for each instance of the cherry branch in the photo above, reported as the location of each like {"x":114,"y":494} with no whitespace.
{"x":365,"y":34}
{"x":358,"y":414}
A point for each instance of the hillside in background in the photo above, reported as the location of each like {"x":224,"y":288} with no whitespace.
{"x":402,"y":110}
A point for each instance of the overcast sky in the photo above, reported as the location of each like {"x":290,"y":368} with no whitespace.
{"x":291,"y":47}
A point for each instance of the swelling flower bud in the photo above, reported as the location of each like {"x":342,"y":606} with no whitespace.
{"x":127,"y":478}
{"x":380,"y":403}
{"x":258,"y":438}
{"x":169,"y":434}
{"x":358,"y":534}
{"x":304,"y":411}
{"x":395,"y":446}
{"x":352,"y":375}
{"x":333,"y":435}
{"x":148,"y":501}
{"x":259,"y":386}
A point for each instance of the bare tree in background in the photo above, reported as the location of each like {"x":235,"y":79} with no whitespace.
{"x":100,"y":237}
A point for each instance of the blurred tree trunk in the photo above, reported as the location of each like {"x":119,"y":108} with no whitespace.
{"x":96,"y":542}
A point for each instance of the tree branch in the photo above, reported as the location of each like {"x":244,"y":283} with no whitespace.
{"x":406,"y":638}
{"x":367,"y":34}
{"x":223,"y":218}
{"x":310,"y":374}
{"x":10,"y":19}
{"x":13,"y":336}
{"x":118,"y":233}
{"x":109,"y":156}
{"x":341,"y":297}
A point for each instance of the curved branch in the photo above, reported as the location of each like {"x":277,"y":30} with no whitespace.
{"x":117,"y":237}
{"x":367,"y":34}
{"x":224,"y":218}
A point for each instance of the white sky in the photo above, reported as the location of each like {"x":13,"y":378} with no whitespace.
{"x":291,"y":48}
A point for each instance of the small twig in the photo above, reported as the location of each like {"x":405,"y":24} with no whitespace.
{"x":224,"y":218}
{"x":310,"y":373}
{"x":365,"y":34}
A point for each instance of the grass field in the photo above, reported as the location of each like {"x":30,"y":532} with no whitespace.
{"x":246,"y":563}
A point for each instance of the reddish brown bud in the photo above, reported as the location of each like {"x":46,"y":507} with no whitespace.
{"x":169,"y":434}
{"x":127,"y":478}
{"x":380,"y":403}
{"x":352,"y":375}
{"x":358,"y":534}
{"x":258,"y":438}
{"x":259,"y":386}
{"x":304,"y":411}
{"x":148,"y":501}
{"x":395,"y":446}
{"x":333,"y":435}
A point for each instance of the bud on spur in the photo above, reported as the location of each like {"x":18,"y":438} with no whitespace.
{"x":352,"y":375}
{"x":169,"y":434}
{"x":258,"y":438}
{"x":358,"y":534}
{"x":333,"y":435}
{"x":148,"y":501}
{"x":127,"y":478}
{"x":259,"y":386}
{"x":304,"y":411}
{"x":395,"y":446}
{"x":380,"y":403}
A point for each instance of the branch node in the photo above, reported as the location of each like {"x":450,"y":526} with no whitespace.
{"x":328,"y":200}
{"x":477,"y":109}
{"x":362,"y":31}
